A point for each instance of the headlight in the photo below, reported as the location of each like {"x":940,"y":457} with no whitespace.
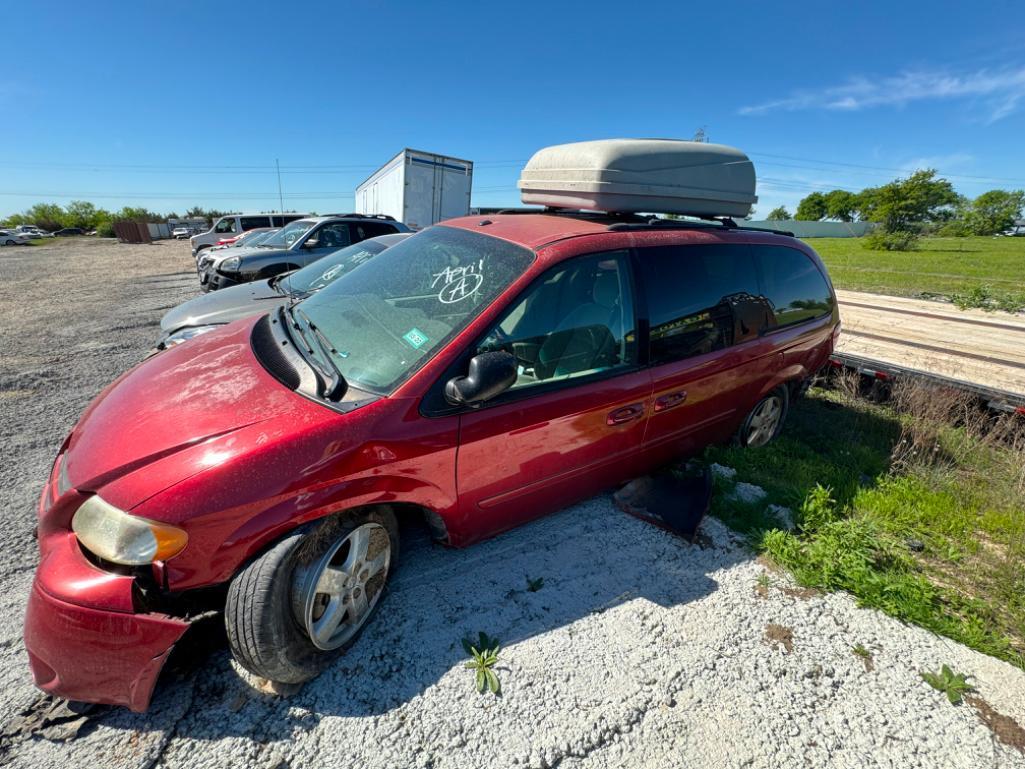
{"x":185,"y":334}
{"x":231,"y":264}
{"x":119,"y":537}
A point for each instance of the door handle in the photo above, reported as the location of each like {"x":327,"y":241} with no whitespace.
{"x":625,"y":414}
{"x":666,"y":402}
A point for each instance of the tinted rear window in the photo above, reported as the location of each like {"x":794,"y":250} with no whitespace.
{"x":706,"y":298}
{"x":691,"y":291}
{"x":793,"y":284}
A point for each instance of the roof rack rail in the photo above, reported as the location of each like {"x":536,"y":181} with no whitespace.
{"x":363,"y":216}
{"x":711,"y":222}
{"x":578,"y":214}
{"x":620,"y":221}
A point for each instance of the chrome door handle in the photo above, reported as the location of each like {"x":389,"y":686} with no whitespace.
{"x":666,"y":402}
{"x":625,"y":414}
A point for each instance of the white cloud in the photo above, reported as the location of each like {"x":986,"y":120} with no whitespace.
{"x":1001,"y":92}
{"x":946,"y":163}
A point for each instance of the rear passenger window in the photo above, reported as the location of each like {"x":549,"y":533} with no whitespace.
{"x":252,"y":222}
{"x":793,"y":284}
{"x":701,"y":299}
{"x":366,"y":230}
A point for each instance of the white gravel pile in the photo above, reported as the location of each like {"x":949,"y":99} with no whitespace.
{"x":639,"y":650}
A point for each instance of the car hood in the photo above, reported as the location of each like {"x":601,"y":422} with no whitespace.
{"x":223,"y":306}
{"x":195,"y":396}
{"x":220,"y":252}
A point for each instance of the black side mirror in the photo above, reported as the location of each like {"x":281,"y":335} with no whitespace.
{"x":490,"y":373}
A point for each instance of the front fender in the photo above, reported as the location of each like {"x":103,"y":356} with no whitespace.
{"x":380,"y":453}
{"x":258,"y":533}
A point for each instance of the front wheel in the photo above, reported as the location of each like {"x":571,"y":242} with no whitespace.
{"x":291,"y":611}
{"x":765,"y":420}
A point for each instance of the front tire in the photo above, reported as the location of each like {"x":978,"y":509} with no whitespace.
{"x":294,"y":609}
{"x":765,"y":421}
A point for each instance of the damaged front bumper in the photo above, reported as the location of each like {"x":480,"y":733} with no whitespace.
{"x":85,"y":640}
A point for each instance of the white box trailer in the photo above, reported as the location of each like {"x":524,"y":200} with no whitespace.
{"x":418,"y":189}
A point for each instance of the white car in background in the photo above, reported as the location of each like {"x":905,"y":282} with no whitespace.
{"x":13,"y":238}
{"x":32,"y":231}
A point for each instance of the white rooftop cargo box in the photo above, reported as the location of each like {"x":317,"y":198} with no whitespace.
{"x":418,"y":189}
{"x":641,"y":176}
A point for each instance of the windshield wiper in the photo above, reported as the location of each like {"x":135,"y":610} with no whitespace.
{"x":334,"y":383}
{"x":276,"y":284}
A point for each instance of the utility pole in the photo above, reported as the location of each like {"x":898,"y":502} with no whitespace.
{"x":281,"y":199}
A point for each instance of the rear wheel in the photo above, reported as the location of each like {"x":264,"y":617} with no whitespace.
{"x":765,"y":420}
{"x":290,"y":612}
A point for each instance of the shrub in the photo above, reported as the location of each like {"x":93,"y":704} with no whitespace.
{"x":105,"y":229}
{"x":956,"y":228}
{"x":899,"y":240}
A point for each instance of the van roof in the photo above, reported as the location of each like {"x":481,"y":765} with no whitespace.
{"x":536,"y":228}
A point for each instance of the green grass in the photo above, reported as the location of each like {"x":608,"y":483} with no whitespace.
{"x":936,"y":540}
{"x":941,"y":266}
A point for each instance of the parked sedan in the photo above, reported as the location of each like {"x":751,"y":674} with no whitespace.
{"x":68,"y":231}
{"x":297,"y":244}
{"x":180,"y":233}
{"x":13,"y":238}
{"x":210,"y":311}
{"x":32,"y":231}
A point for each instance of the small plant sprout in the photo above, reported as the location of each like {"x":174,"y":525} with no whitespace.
{"x":865,"y":656}
{"x":484,"y":655}
{"x":764,"y":580}
{"x":533,"y":585}
{"x":954,"y":685}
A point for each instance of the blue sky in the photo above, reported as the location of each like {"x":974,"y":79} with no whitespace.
{"x":173,"y":105}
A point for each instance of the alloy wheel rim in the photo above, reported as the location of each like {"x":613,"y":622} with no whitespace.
{"x":333,"y":596}
{"x":764,"y":421}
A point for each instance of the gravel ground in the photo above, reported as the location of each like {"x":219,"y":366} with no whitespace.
{"x":638,"y":650}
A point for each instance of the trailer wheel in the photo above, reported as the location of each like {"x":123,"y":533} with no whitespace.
{"x":765,"y":420}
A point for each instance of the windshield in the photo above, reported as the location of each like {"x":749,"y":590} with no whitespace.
{"x":315,"y":276}
{"x":389,"y":317}
{"x":289,"y":234}
{"x":253,"y":237}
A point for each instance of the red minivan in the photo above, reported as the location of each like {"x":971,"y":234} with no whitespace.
{"x":482,"y":373}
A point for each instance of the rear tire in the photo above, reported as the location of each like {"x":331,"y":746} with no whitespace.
{"x":272,"y":606}
{"x":765,"y":420}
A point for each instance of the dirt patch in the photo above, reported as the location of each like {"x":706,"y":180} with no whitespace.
{"x":779,"y":635}
{"x":801,"y":593}
{"x":1004,"y":728}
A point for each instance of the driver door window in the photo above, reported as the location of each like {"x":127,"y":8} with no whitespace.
{"x":225,"y":226}
{"x":576,"y":321}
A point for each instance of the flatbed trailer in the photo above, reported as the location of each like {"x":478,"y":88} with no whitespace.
{"x":890,"y":338}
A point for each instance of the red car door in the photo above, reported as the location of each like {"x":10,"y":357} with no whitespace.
{"x":708,"y":358}
{"x":573,"y":422}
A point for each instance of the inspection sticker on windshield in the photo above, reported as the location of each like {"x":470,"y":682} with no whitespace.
{"x":416,"y":338}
